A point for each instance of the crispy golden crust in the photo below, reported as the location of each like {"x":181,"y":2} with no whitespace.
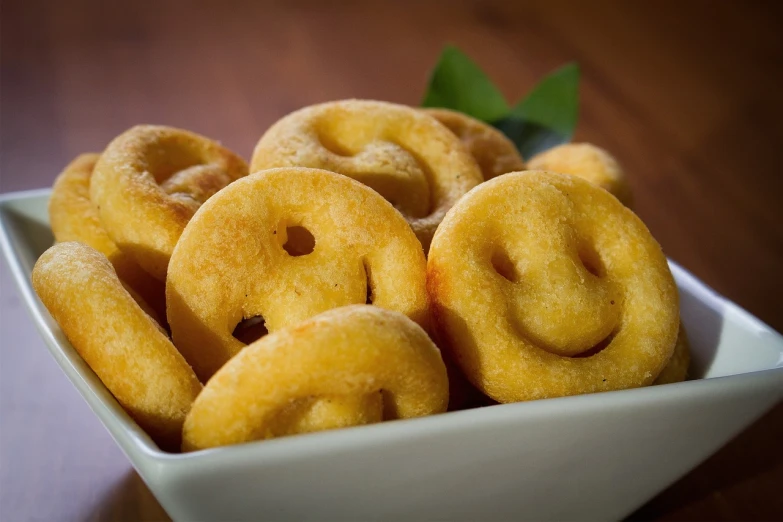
{"x":120,"y":342}
{"x":404,"y":154}
{"x":589,"y":162}
{"x":492,"y":150}
{"x":231,"y":262}
{"x":353,"y":353}
{"x":676,"y":370}
{"x":531,"y":273}
{"x":149,"y":182}
{"x":73,"y":217}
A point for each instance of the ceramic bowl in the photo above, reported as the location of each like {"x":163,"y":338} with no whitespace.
{"x":596,"y":456}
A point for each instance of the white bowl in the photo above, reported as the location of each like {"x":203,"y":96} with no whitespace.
{"x":594,"y":456}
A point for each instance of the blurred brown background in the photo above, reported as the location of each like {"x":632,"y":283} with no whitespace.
{"x":687,"y":95}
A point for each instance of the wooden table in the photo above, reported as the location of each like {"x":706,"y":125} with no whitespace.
{"x":685,"y":94}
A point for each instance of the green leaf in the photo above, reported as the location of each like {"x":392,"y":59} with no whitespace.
{"x":547,"y":116}
{"x":543,"y":119}
{"x":457,"y":83}
{"x":529,"y":137}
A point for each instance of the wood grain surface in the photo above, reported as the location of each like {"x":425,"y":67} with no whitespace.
{"x":686,"y":94}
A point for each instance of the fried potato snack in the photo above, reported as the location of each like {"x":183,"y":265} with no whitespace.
{"x":150,"y":181}
{"x":676,"y":370}
{"x":73,"y":217}
{"x":285,"y":245}
{"x":544,"y":285}
{"x":404,"y":154}
{"x":492,"y":150}
{"x":117,"y":339}
{"x":357,"y":351}
{"x":586,"y":161}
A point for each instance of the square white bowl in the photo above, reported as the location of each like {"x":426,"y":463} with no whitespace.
{"x":596,"y":456}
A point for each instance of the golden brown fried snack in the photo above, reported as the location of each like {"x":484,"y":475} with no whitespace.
{"x":355,"y":353}
{"x":407,"y":156}
{"x":544,"y":285}
{"x":285,"y":245}
{"x":120,"y":342}
{"x":586,"y":161}
{"x":73,"y":217}
{"x":150,"y":181}
{"x":492,"y":150}
{"x":676,"y":370}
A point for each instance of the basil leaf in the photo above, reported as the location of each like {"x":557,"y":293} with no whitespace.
{"x":457,"y":83}
{"x":543,"y":119}
{"x":529,"y":137}
{"x":547,"y":116}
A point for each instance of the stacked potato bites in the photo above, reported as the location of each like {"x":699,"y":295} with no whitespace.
{"x":369,"y":247}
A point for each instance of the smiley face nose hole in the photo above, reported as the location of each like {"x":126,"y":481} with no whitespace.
{"x":300,"y":241}
{"x":504,"y":266}
{"x":250,"y":330}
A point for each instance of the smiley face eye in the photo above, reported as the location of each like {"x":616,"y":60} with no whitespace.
{"x":591,"y":261}
{"x":504,"y":266}
{"x":299,"y":241}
